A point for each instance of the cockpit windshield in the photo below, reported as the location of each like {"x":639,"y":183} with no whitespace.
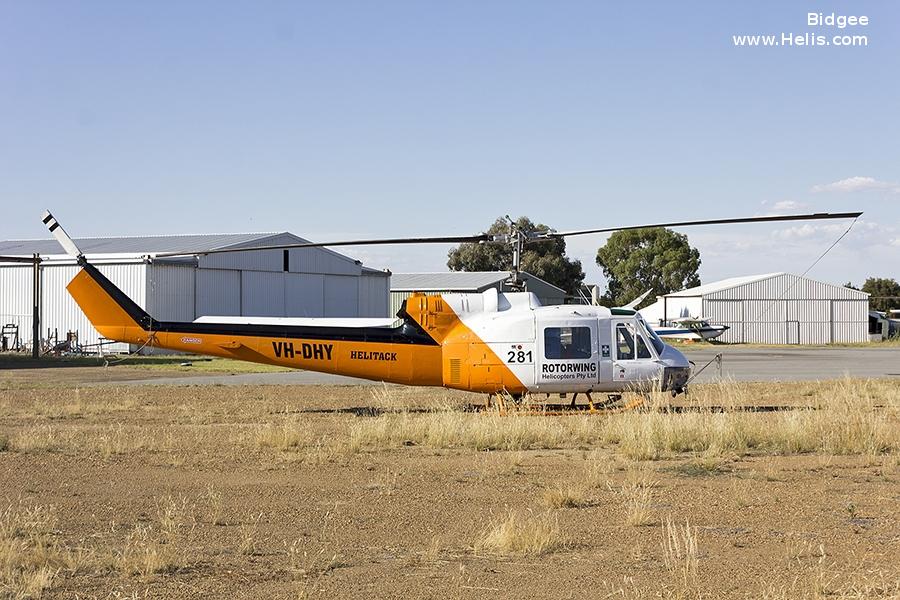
{"x":654,"y":339}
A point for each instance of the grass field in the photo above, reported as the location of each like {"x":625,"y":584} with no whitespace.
{"x":360,"y":492}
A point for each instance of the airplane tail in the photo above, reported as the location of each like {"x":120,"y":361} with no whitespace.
{"x":634,"y":303}
{"x":109,"y":309}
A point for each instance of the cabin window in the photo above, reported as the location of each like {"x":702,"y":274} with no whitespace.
{"x":567,"y":343}
{"x":286,"y":261}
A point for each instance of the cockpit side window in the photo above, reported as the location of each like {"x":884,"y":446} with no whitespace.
{"x":642,"y":350}
{"x":630,"y":343}
{"x":624,"y":343}
{"x":658,"y":344}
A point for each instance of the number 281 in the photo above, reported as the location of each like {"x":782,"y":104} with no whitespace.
{"x":521,"y":356}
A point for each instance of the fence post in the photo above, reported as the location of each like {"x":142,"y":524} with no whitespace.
{"x":36,"y":308}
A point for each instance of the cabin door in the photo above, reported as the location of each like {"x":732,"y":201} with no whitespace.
{"x":568,"y":355}
{"x":633,"y":361}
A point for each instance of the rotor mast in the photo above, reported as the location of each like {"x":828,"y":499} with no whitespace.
{"x":517,"y":241}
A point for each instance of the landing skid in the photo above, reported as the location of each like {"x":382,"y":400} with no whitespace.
{"x":505,"y":404}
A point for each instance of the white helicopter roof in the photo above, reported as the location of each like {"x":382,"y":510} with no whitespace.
{"x":492,"y":301}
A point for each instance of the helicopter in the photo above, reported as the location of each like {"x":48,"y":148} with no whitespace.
{"x":492,"y":342}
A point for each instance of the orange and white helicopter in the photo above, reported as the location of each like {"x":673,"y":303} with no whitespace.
{"x":490,"y":342}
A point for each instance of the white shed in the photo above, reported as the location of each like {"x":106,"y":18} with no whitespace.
{"x":775,"y":308}
{"x":301,"y":282}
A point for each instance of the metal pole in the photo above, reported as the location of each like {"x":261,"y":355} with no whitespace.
{"x":36,"y":308}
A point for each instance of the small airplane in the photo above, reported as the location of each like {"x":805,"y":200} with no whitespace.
{"x":489,"y":343}
{"x":689,"y":328}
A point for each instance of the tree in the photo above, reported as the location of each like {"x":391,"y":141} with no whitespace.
{"x":546,"y":260}
{"x":637,"y":260}
{"x":884,"y":294}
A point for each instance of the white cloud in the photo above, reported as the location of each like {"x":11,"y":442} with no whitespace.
{"x":806,"y":231}
{"x":857,"y":184}
{"x":895,"y":242}
{"x":790,"y":205}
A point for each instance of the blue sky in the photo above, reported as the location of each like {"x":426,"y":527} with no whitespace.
{"x":339,"y":119}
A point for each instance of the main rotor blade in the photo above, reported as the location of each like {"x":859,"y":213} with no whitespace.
{"x":483,"y":237}
{"x":810,"y":217}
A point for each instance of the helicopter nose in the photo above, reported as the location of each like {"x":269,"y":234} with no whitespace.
{"x":676,"y":370}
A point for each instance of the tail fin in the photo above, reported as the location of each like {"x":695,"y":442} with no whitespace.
{"x":634,"y":303}
{"x":109,"y":309}
{"x":60,"y":234}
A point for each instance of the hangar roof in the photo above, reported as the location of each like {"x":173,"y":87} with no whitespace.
{"x":143,"y":244}
{"x":722,"y":284}
{"x":456,"y":281}
{"x":734,"y":282}
{"x":449,"y":281}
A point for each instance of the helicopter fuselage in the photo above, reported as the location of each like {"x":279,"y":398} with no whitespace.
{"x":489,"y":342}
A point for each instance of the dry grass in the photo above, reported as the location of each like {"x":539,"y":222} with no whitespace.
{"x":249,"y":544}
{"x":451,"y":429}
{"x":106,"y":441}
{"x":308,"y":559}
{"x":638,"y":493}
{"x":41,"y":438}
{"x":848,"y":417}
{"x":680,"y":555}
{"x":215,"y":505}
{"x":290,"y":434}
{"x":31,"y":558}
{"x":564,"y":496}
{"x":146,"y":552}
{"x":828,"y":580}
{"x":235,"y":442}
{"x":522,"y":534}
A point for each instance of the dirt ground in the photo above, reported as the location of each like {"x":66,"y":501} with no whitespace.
{"x":334,"y":492}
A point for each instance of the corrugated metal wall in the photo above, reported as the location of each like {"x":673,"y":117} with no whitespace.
{"x":374,"y":293}
{"x":59,"y":310}
{"x":279,"y":294}
{"x":301,"y":260}
{"x":341,"y":296}
{"x":304,"y":295}
{"x":170,"y":292}
{"x":15,"y":298}
{"x":788,"y":309}
{"x":262,"y":294}
{"x":218,"y":292}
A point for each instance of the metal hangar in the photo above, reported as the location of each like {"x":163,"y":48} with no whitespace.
{"x":305,"y":282}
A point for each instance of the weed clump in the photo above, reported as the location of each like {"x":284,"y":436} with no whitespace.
{"x":564,"y":497}
{"x":524,"y":535}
